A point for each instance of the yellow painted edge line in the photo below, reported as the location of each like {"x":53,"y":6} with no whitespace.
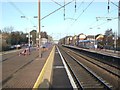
{"x":39,"y":79}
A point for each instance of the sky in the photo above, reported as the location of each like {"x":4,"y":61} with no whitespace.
{"x":81,"y":20}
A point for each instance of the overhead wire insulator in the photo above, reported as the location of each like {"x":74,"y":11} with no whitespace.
{"x":64,"y":16}
{"x":75,"y":5}
{"x":64,"y":10}
{"x":108,"y":5}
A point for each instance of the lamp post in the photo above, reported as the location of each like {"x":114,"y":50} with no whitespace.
{"x":94,"y":43}
{"x":29,"y":36}
{"x":29,"y":31}
{"x":115,"y":38}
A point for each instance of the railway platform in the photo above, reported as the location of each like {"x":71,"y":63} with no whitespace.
{"x":101,"y":51}
{"x":54,"y":74}
{"x":60,"y":78}
{"x":26,"y":76}
{"x":49,"y":72}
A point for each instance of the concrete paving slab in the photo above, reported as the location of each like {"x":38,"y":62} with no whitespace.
{"x":60,"y":78}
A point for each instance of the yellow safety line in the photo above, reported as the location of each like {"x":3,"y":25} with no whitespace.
{"x":39,"y":79}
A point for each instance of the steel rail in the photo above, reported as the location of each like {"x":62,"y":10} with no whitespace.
{"x":115,"y":66}
{"x":103,"y":82}
{"x":108,"y":70}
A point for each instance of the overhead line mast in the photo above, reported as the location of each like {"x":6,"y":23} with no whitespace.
{"x":75,"y":6}
{"x":39,"y":28}
{"x":108,"y":6}
{"x":119,"y":18}
{"x":64,"y":9}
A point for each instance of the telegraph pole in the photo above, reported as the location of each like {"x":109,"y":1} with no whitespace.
{"x":39,"y":28}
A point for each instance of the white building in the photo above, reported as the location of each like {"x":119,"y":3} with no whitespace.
{"x":43,"y":41}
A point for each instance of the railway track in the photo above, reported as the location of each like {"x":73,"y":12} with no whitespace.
{"x":111,"y":69}
{"x":84,"y":77}
{"x":96,"y":57}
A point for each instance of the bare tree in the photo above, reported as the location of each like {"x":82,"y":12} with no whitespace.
{"x":108,"y":38}
{"x":8,"y":29}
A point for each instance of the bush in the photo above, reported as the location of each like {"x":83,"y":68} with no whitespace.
{"x":5,"y":47}
{"x":118,"y":48}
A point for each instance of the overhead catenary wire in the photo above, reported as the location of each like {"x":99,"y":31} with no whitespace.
{"x":65,"y":10}
{"x":56,"y":10}
{"x":56,"y":3}
{"x":83,"y":11}
{"x":103,"y":16}
{"x":80,"y":14}
{"x":64,"y":14}
{"x":95,"y":20}
{"x":61,"y":5}
{"x":80,"y":5}
{"x":104,"y":23}
{"x":13,"y":4}
{"x":77,"y":9}
{"x":114,"y":4}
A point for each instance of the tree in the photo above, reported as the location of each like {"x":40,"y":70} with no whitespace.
{"x":118,"y":43}
{"x":7,"y":29}
{"x":23,"y":39}
{"x":44,"y":35}
{"x":108,"y":38}
{"x":18,"y":37}
{"x":13,"y":37}
{"x":33,"y":33}
{"x":10,"y":37}
{"x":6,"y":33}
{"x":109,"y":32}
